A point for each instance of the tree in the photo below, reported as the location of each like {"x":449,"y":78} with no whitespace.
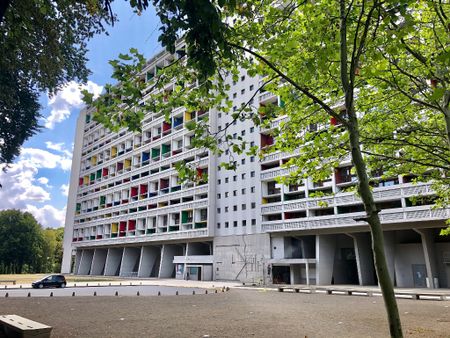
{"x":43,"y":47}
{"x":324,"y":59}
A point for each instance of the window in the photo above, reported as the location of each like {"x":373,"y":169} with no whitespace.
{"x":252,"y":189}
{"x":235,"y":136}
{"x":218,"y":225}
{"x":234,"y":108}
{"x":218,"y":210}
{"x":243,"y":176}
{"x":252,"y":158}
{"x":243,"y":191}
{"x":218,"y":196}
{"x":234,"y":192}
{"x":220,"y":115}
{"x":234,"y":178}
{"x":244,"y":206}
{"x":251,"y":87}
{"x":218,"y":168}
{"x":243,"y":133}
{"x":252,"y":174}
{"x":226,"y":179}
{"x":220,"y":128}
{"x":244,"y":223}
{"x":252,"y":144}
{"x":234,"y":207}
{"x":234,"y":95}
{"x":243,"y":161}
{"x":226,"y":209}
{"x":253,"y":221}
{"x":219,"y":181}
{"x":226,"y":194}
{"x":226,"y":224}
{"x":252,"y":129}
{"x":235,"y":224}
{"x":242,"y":91}
{"x":227,"y":152}
{"x":243,"y":78}
{"x":253,"y":205}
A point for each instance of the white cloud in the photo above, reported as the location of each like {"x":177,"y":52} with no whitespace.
{"x":43,"y":180}
{"x":48,"y":215}
{"x":64,"y":189}
{"x":45,"y":159}
{"x":67,"y":98}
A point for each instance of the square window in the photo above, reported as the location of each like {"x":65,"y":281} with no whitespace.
{"x":251,"y":87}
{"x":226,"y":194}
{"x":218,"y":196}
{"x":244,"y":206}
{"x":234,"y":178}
{"x":243,"y":78}
{"x":235,"y":224}
{"x":234,"y":95}
{"x":226,"y":224}
{"x":252,"y":189}
{"x":218,"y":210}
{"x":244,"y":223}
{"x":243,"y":133}
{"x":218,"y":181}
{"x":234,"y":192}
{"x":242,"y":91}
{"x":218,"y":225}
{"x":226,"y":179}
{"x":252,"y":174}
{"x":243,"y":176}
{"x":234,"y":207}
{"x":243,"y":161}
{"x":253,"y":221}
{"x":253,"y":205}
{"x":252,"y":129}
{"x":220,"y":115}
{"x":252,"y":158}
{"x":243,"y":191}
{"x":226,"y":209}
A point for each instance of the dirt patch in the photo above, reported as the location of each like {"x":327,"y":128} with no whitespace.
{"x":237,"y":313}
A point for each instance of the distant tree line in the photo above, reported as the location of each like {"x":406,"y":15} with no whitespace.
{"x":26,"y":247}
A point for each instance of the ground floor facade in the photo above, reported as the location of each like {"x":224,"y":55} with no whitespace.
{"x":416,"y":257}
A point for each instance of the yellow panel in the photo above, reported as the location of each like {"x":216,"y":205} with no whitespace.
{"x":114,"y":227}
{"x":127,"y":163}
{"x":187,"y":116}
{"x":264,"y":201}
{"x":86,"y":180}
{"x":113,"y":151}
{"x":94,"y":160}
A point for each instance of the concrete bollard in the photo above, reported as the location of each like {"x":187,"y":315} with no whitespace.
{"x":73,"y":294}
{"x":227,"y":289}
{"x":131,"y":283}
{"x":74,"y":284}
{"x":6,"y":295}
{"x":109,"y":284}
{"x":138,"y":294}
{"x":176,"y":293}
{"x":51,"y":294}
{"x":98,"y":284}
{"x":206,"y":292}
{"x":95,"y":293}
{"x":5,"y":286}
{"x":193,"y":292}
{"x":29,"y":294}
{"x":141,"y":283}
{"x":117,"y":293}
{"x":87,"y":284}
{"x":159,"y":293}
{"x":120,"y":283}
{"x":215,"y":291}
{"x":20,"y":287}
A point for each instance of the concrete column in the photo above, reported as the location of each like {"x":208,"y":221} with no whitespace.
{"x":307,"y":273}
{"x":325,"y":251}
{"x":364,"y":258}
{"x":78,"y":254}
{"x":389,"y":251}
{"x":98,"y":262}
{"x":113,"y":261}
{"x":86,"y":262}
{"x":169,"y":251}
{"x":130,"y":262}
{"x":429,"y":256}
{"x":150,"y":259}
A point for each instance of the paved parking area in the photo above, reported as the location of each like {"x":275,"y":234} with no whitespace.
{"x":236,"y":313}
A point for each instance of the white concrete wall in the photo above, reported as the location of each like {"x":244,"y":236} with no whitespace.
{"x":277,"y":248}
{"x":73,"y":188}
{"x":389,"y":251}
{"x":77,"y":261}
{"x":167,"y":268}
{"x":86,"y":262}
{"x":443,"y":269}
{"x":364,"y":258}
{"x":242,"y":257}
{"x":113,"y":261}
{"x":325,"y":249}
{"x":150,"y":258}
{"x":407,"y":254}
{"x":98,"y":262}
{"x":130,"y":261}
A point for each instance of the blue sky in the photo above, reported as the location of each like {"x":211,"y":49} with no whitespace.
{"x":38,"y":180}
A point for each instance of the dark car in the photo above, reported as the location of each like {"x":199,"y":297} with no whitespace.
{"x":52,"y":281}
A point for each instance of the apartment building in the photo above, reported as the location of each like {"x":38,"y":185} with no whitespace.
{"x":128,"y":215}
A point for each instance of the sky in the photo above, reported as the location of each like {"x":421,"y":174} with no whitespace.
{"x":38,"y":179}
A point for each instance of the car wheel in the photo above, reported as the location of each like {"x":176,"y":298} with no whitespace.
{"x":40,"y":286}
{"x":63,"y":285}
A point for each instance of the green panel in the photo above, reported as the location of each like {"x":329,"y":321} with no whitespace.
{"x":78,"y":206}
{"x":165,"y":148}
{"x":102,"y":200}
{"x":99,"y":173}
{"x":155,"y":152}
{"x":92,"y":176}
{"x":184,"y":216}
{"x":88,"y":118}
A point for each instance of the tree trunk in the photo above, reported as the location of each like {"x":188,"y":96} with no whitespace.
{"x":446,"y":111}
{"x":376,"y":231}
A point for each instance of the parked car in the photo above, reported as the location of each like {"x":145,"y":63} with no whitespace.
{"x":52,"y":281}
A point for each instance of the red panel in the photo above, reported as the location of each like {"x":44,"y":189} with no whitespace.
{"x":131,"y":225}
{"x":81,"y":181}
{"x":134,"y":191}
{"x":144,"y":188}
{"x":166,"y":126}
{"x":105,"y":172}
{"x":123,"y":226}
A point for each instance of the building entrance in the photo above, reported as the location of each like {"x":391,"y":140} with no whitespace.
{"x":281,"y":274}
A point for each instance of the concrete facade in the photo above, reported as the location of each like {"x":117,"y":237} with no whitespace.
{"x":128,"y":214}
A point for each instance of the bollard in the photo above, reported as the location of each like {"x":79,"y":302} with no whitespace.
{"x":5,"y":286}
{"x":141,"y":283}
{"x":193,"y":292}
{"x":138,"y":294}
{"x":20,"y":286}
{"x":215,"y":291}
{"x":176,"y":293}
{"x":117,"y":293}
{"x":95,"y":293}
{"x":87,"y":284}
{"x":98,"y":284}
{"x":6,"y":295}
{"x":227,"y":289}
{"x":109,"y":284}
{"x":73,"y":294}
{"x":206,"y":292}
{"x":74,"y":284}
{"x":51,"y":294}
{"x":131,"y":283}
{"x":29,"y":294}
{"x":159,"y":293}
{"x":120,"y":283}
